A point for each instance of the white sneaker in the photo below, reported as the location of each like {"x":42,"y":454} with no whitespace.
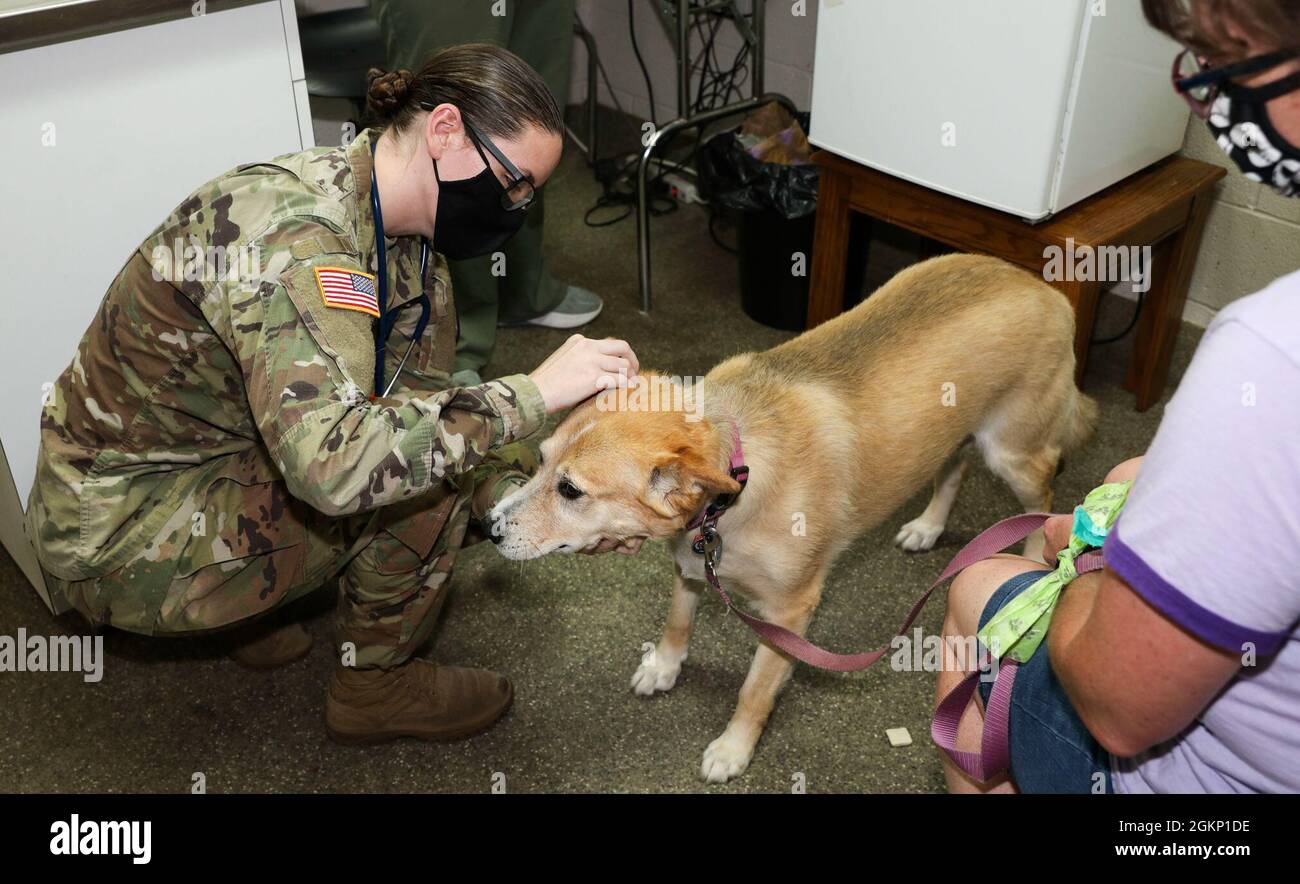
{"x":579,"y":307}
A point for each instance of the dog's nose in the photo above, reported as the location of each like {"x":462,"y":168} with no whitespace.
{"x":495,"y":537}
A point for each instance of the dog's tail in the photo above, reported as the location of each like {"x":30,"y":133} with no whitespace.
{"x":1081,"y":422}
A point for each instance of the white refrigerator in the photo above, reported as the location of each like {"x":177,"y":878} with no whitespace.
{"x":1027,"y":106}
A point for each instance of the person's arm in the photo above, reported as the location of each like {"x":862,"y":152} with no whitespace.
{"x":1135,"y":677}
{"x":341,"y":452}
{"x":1127,"y":693}
{"x":1201,"y":564}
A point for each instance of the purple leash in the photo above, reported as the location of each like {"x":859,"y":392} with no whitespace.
{"x":994,"y":753}
{"x":992,"y":541}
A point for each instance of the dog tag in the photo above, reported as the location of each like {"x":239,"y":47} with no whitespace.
{"x":707,"y":541}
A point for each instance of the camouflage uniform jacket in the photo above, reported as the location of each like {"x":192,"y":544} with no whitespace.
{"x":193,"y":358}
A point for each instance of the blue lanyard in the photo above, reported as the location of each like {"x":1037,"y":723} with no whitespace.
{"x":384,"y":323}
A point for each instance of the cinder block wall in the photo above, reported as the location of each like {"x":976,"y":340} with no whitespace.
{"x":1252,"y":235}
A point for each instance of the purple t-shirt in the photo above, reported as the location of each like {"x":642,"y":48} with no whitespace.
{"x":1210,"y":537}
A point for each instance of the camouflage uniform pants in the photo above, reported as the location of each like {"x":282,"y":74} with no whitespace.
{"x":242,"y":546}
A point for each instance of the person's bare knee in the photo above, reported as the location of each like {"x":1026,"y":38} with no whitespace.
{"x":973,"y":587}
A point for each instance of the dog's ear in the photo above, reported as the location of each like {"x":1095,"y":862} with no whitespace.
{"x":681,"y":479}
{"x":662,"y":493}
{"x":709,"y":478}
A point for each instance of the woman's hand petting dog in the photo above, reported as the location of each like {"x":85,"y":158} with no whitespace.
{"x":581,"y":368}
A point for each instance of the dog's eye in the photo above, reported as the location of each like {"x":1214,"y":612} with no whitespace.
{"x":568,"y":490}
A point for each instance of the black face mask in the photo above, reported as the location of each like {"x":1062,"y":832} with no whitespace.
{"x":471,"y":219}
{"x":1240,"y":125}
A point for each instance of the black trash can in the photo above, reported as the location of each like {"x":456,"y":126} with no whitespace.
{"x":768,"y":245}
{"x":774,"y":207}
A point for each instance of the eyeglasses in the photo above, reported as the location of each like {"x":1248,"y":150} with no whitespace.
{"x":1199,"y":82}
{"x":519,"y":191}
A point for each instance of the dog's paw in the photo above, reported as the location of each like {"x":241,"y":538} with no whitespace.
{"x":726,"y":758}
{"x":658,"y":673}
{"x":918,"y":535}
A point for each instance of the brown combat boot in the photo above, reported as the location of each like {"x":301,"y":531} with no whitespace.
{"x":417,"y":699}
{"x":267,"y":646}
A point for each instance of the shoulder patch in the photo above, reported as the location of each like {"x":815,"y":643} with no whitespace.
{"x":348,"y":289}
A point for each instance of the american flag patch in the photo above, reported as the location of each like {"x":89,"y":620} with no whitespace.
{"x":349,"y":289}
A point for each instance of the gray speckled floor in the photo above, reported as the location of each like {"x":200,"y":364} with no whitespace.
{"x":568,"y":630}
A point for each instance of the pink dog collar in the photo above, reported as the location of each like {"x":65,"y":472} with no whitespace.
{"x":707,"y":519}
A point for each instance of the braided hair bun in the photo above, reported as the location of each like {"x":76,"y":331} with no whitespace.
{"x":386,"y":91}
{"x":489,"y":85}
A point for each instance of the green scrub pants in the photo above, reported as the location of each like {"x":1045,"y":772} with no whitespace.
{"x":541,"y":33}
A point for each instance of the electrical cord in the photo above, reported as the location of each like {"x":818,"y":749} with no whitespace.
{"x":714,"y":88}
{"x":716,"y":85}
{"x":703,"y":63}
{"x":625,"y":196}
{"x":650,"y":89}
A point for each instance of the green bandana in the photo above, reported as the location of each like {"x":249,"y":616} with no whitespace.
{"x":1022,"y":623}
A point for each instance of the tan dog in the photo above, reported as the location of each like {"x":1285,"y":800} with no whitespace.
{"x":840,"y":426}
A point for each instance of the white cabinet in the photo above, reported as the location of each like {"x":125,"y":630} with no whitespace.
{"x":103,"y":137}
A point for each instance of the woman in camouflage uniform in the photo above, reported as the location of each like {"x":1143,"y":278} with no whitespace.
{"x":219,"y":446}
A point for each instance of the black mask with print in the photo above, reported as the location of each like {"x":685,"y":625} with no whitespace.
{"x":1245,"y":133}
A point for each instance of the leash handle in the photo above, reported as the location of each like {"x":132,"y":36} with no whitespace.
{"x":994,"y":755}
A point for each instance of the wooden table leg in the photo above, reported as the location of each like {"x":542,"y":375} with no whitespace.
{"x":830,"y":248}
{"x":1173,"y":261}
{"x":1083,"y":298}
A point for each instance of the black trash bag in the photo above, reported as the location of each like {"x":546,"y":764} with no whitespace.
{"x":728,"y":176}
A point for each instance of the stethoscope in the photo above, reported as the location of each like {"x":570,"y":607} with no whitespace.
{"x":385,"y":321}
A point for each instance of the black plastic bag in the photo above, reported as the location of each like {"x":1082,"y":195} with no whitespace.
{"x":730,"y":177}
